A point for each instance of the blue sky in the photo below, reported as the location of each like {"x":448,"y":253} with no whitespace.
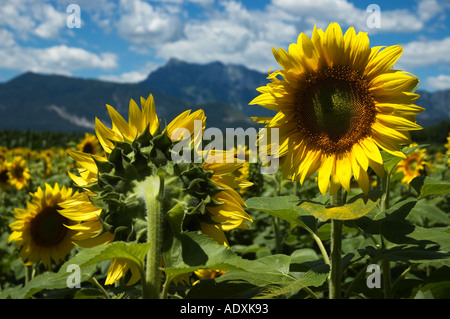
{"x":124,"y":40}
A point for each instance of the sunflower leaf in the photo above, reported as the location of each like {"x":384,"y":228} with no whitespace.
{"x":284,"y":207}
{"x":356,"y":208}
{"x":86,"y":260}
{"x":191,"y":251}
{"x":427,"y":186}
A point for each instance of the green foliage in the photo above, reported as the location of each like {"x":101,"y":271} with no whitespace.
{"x":285,"y":254}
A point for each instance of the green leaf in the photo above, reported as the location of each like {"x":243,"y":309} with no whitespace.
{"x":284,"y":207}
{"x":371,"y":223}
{"x":429,"y":213}
{"x":406,"y":254}
{"x":312,"y":278}
{"x":435,"y":290}
{"x":356,"y":208}
{"x":86,"y":259}
{"x":304,"y":255}
{"x":192,"y":251}
{"x":49,"y":280}
{"x":243,"y":284}
{"x":427,"y":186}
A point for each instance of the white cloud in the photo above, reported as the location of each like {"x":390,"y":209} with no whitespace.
{"x":50,"y":21}
{"x":426,"y":53}
{"x":440,"y":82}
{"x":428,"y":9}
{"x":126,"y":77}
{"x":345,"y":13}
{"x":59,"y":59}
{"x":27,"y":18}
{"x":199,"y":2}
{"x":132,"y":76}
{"x":233,"y":35}
{"x":141,"y":23}
{"x":6,"y":38}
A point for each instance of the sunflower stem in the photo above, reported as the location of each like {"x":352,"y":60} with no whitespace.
{"x":153,"y":196}
{"x":99,"y":287}
{"x":336,"y":241}
{"x":276,"y":220}
{"x":384,"y":202}
{"x":321,"y":247}
{"x":166,"y":287}
{"x":385,"y":264}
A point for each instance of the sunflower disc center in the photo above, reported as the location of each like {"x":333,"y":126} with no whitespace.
{"x":88,"y":148}
{"x":47,"y":228}
{"x":335,"y":109}
{"x":4,"y":176}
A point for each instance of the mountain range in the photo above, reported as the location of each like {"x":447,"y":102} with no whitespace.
{"x":60,"y":103}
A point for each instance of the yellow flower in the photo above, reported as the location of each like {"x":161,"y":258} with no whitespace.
{"x":39,"y":231}
{"x":80,"y":209}
{"x":87,"y":229}
{"x":413,"y":165}
{"x":216,"y":233}
{"x":18,"y":173}
{"x":338,"y":101}
{"x":230,"y":214}
{"x":448,"y":148}
{"x":3,"y":153}
{"x":138,"y":121}
{"x":89,"y":144}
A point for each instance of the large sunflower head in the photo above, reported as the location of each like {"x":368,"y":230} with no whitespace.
{"x":140,"y":120}
{"x":40,"y":231}
{"x":137,"y":151}
{"x":18,"y":172}
{"x":338,"y":101}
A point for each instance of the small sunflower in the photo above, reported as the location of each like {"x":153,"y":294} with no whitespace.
{"x":216,"y":233}
{"x":338,"y":102}
{"x":413,"y":165}
{"x":87,"y":232}
{"x":18,"y":172}
{"x":40,"y":231}
{"x":447,"y":146}
{"x":230,"y":214}
{"x":3,"y":153}
{"x":89,"y":144}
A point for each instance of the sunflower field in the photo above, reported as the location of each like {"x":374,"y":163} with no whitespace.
{"x":359,"y":207}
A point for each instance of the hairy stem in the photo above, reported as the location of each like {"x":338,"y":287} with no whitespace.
{"x":336,"y":241}
{"x":153,"y":195}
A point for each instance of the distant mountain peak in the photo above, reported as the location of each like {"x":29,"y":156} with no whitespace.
{"x":211,"y":82}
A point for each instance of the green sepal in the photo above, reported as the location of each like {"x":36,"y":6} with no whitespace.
{"x":109,"y":179}
{"x":103,"y":166}
{"x":144,"y":138}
